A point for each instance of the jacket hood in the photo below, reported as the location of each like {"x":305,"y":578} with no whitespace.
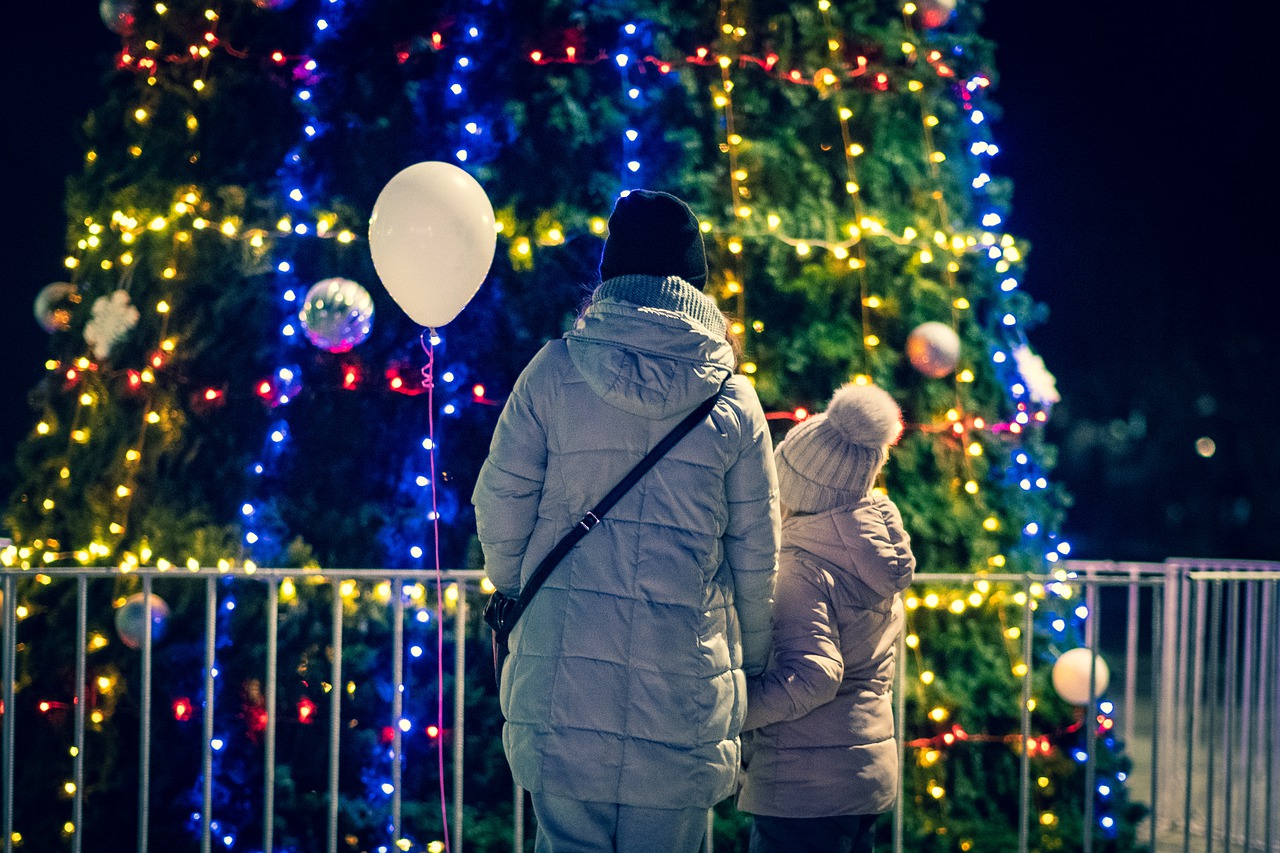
{"x":855,"y":539}
{"x":651,"y":362}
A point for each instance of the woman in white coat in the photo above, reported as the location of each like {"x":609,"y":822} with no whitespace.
{"x":625,"y":690}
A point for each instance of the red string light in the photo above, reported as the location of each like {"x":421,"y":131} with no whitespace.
{"x":255,"y":721}
{"x":1042,"y":743}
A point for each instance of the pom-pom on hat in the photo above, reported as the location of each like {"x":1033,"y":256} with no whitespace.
{"x":832,"y":459}
{"x":654,"y":233}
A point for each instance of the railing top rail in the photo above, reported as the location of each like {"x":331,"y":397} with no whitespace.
{"x":1103,"y":572}
{"x":247,"y":572}
{"x":1180,"y":566}
{"x":1211,"y":564}
{"x":1272,"y":576}
{"x":261,"y":572}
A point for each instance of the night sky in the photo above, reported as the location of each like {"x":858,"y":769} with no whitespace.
{"x":1133,"y":135}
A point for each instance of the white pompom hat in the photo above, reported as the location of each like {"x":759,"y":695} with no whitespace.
{"x":832,"y":459}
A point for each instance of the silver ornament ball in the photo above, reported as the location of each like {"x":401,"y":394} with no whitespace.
{"x":337,"y":314}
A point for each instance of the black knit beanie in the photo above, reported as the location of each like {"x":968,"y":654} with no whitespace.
{"x":654,"y":233}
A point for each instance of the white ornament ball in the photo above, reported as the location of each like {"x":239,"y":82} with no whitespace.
{"x":933,"y":348}
{"x":54,"y":305}
{"x":337,"y":314}
{"x":118,"y":15}
{"x":1071,"y":675}
{"x":131,"y":619}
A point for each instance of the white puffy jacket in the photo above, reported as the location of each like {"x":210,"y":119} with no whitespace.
{"x":626,"y":677}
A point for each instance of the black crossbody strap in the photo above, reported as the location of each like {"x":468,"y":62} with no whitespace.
{"x":592,"y":518}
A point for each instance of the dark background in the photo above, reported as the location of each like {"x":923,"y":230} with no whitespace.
{"x":1133,"y":136}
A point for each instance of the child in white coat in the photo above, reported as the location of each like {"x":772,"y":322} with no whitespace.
{"x":823,"y":760}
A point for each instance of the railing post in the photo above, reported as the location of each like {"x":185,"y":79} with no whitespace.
{"x":1212,"y":699}
{"x":1133,"y":621}
{"x":1250,"y":676}
{"x":459,"y":709}
{"x":144,"y":717}
{"x":397,"y":707}
{"x":1268,"y":706}
{"x":899,"y":714}
{"x":210,"y":705}
{"x":82,"y":652}
{"x":1158,"y":670}
{"x":1230,"y":719}
{"x":269,"y":739}
{"x":1177,"y":686}
{"x":1193,"y":713}
{"x":1269,"y":695}
{"x":6,"y":738}
{"x":335,"y":712}
{"x":1090,"y":732}
{"x":1024,"y":799}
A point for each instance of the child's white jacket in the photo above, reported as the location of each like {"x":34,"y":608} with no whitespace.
{"x":822,"y":712}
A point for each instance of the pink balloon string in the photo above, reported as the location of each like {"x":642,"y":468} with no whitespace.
{"x":428,"y":340}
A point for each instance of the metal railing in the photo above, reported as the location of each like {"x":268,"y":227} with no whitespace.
{"x":1201,"y":695}
{"x":210,"y":577}
{"x":1198,"y":658}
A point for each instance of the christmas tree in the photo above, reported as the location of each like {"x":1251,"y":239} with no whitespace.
{"x":229,"y":383}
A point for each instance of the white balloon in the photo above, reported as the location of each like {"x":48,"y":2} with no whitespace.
{"x":432,"y":238}
{"x":1071,"y":675}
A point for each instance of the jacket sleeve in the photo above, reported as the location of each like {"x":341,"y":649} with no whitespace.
{"x":881,"y":548}
{"x":751,"y":539}
{"x":509,"y":487}
{"x":807,"y":665}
